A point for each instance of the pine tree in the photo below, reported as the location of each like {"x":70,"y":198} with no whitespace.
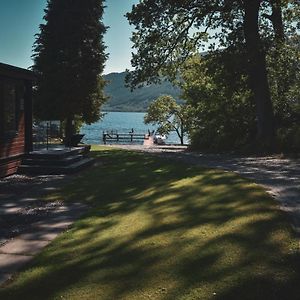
{"x":69,"y":56}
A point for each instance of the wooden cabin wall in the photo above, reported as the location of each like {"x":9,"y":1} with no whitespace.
{"x":12,"y":150}
{"x":15,"y":143}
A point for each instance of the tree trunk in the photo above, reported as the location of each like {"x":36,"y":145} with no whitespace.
{"x":258,"y":76}
{"x":277,"y":22}
{"x":69,"y":131}
{"x":181,"y":140}
{"x":181,"y":134}
{"x":278,"y":27}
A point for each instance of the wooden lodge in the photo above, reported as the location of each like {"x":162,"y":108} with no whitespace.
{"x":15,"y":117}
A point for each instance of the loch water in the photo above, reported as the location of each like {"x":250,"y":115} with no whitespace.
{"x":122,"y":122}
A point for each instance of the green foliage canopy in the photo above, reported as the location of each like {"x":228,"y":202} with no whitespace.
{"x":169,"y":32}
{"x":222,"y":105}
{"x":169,"y":116}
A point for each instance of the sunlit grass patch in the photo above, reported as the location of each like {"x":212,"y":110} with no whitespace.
{"x":160,"y":230}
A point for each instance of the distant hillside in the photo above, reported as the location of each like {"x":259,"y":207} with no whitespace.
{"x":122,"y":99}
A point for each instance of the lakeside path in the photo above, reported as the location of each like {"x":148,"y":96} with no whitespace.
{"x":28,"y":223}
{"x":279,"y":176}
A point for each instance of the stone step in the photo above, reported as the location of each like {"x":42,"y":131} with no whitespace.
{"x":56,"y":169}
{"x":42,"y":161}
{"x":58,"y":153}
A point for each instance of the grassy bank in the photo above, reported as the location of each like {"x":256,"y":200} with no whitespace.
{"x":163,"y":230}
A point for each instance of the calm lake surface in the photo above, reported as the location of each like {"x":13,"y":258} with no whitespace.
{"x":123,"y":122}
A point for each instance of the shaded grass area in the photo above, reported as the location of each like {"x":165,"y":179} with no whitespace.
{"x":165,"y":230}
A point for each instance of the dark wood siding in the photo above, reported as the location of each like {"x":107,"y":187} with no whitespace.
{"x":12,"y":150}
{"x":15,"y":143}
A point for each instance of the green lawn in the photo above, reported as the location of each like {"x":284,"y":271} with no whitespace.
{"x":165,"y":230}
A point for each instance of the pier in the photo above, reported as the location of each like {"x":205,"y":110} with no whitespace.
{"x":114,"y":136}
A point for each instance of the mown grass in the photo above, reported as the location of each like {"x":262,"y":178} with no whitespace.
{"x":165,"y":230}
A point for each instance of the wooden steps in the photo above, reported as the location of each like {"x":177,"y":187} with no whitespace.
{"x":56,"y":161}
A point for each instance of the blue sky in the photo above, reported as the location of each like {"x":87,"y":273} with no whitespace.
{"x":20,"y":19}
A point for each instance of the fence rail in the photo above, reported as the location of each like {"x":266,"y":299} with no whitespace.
{"x":114,"y":136}
{"x":47,"y":133}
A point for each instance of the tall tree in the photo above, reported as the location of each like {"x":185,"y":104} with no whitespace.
{"x":69,"y":56}
{"x":169,"y":116}
{"x":277,"y":19}
{"x":168,"y":31}
{"x":258,"y":73}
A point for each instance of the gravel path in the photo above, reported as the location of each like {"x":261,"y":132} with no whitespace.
{"x":20,"y":204}
{"x":280,"y":177}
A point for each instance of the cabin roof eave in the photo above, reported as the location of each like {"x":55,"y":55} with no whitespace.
{"x":16,"y":72}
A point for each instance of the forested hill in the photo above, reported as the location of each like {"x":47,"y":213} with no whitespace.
{"x":122,"y":99}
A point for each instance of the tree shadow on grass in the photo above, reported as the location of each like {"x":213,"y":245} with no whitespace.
{"x":165,"y":231}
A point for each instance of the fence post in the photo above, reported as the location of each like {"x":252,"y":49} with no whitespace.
{"x":47,"y":134}
{"x":104,"y":138}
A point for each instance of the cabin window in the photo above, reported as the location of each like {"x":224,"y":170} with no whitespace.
{"x":10,"y":95}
